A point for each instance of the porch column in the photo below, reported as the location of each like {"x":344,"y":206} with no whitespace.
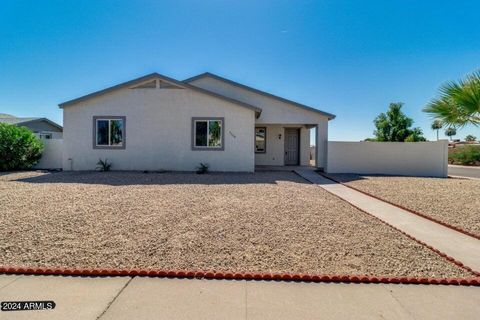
{"x":321,"y":145}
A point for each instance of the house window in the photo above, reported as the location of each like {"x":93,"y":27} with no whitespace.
{"x":45,"y":136}
{"x":207,"y":133}
{"x":260,"y":140}
{"x":109,"y":132}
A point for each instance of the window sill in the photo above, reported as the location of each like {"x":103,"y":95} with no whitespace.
{"x":207,"y":149}
{"x":109,"y":147}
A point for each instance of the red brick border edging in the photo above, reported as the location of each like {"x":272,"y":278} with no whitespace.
{"x":298,"y":277}
{"x":468,"y":233}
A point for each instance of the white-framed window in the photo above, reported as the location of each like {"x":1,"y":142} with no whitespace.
{"x":260,"y":140}
{"x":208,"y":133}
{"x":109,"y":132}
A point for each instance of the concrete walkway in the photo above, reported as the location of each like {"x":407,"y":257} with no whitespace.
{"x":455,"y":244}
{"x":156,"y":298}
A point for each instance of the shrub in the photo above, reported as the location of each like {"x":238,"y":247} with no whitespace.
{"x":470,"y":138}
{"x":103,"y":165}
{"x":202,"y":168}
{"x":468,"y":155}
{"x":19,"y":148}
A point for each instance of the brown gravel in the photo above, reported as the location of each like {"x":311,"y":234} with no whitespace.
{"x":453,"y":201}
{"x":271,"y":221}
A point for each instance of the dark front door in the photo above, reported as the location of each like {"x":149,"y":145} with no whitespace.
{"x":292,"y":147}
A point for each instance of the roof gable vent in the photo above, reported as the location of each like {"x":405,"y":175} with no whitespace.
{"x":147,"y":85}
{"x":156,"y":84}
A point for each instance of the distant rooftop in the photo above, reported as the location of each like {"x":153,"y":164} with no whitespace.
{"x":4,"y":115}
{"x":10,"y":119}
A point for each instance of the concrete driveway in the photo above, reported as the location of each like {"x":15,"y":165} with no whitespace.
{"x":157,"y":298}
{"x":464,"y":171}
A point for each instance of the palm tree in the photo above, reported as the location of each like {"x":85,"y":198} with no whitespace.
{"x":458,"y":103}
{"x":450,"y":132}
{"x":437,"y":125}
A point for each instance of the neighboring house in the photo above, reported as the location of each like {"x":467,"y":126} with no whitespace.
{"x":41,"y":127}
{"x":156,"y":122}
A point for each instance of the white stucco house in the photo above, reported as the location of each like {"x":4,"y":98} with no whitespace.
{"x":159,"y":123}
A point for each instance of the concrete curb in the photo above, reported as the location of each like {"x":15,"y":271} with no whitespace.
{"x":463,"y":177}
{"x":466,"y":167}
{"x":443,"y":255}
{"x":468,"y":233}
{"x":295,"y":277}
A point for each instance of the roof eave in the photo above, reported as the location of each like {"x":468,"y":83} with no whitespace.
{"x":109,"y":89}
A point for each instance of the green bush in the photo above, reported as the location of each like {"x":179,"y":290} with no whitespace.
{"x":468,"y":155}
{"x":202,"y":168}
{"x":19,"y":148}
{"x":104,"y":165}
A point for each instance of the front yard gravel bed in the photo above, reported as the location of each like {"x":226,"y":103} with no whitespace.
{"x":262,"y":222}
{"x":453,"y":201}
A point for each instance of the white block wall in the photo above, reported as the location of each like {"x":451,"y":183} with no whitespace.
{"x":392,"y":158}
{"x":52,"y":155}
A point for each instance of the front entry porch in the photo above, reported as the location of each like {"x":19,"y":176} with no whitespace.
{"x":285,"y":147}
{"x":282,"y":168}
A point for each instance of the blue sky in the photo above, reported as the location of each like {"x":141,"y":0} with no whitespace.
{"x":350,"y":58}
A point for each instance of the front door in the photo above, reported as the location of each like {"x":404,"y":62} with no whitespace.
{"x":292,"y":145}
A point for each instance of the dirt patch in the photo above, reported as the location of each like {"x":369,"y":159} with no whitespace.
{"x":453,"y":201}
{"x":266,"y":222}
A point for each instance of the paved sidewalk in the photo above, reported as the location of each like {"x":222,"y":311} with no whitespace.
{"x":459,"y":246}
{"x":156,"y":298}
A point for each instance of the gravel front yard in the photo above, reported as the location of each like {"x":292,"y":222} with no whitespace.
{"x":453,"y":201}
{"x":271,"y":221}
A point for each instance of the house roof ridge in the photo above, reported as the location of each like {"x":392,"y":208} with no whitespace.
{"x":264,"y":93}
{"x":155,"y":75}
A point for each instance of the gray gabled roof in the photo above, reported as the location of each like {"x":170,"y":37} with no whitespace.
{"x":161,"y":77}
{"x":22,"y":121}
{"x":330,"y":116}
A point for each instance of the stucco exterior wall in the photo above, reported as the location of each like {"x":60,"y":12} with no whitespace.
{"x":52,"y":155}
{"x":392,"y":158}
{"x":275,"y":147}
{"x":279,"y":114}
{"x":158,"y":131}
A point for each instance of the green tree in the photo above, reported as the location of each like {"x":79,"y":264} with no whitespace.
{"x":394,"y":125}
{"x":458,"y":103}
{"x":415,"y":135}
{"x":450,"y":132}
{"x":437,"y":125}
{"x":19,"y":148}
{"x":470,"y":138}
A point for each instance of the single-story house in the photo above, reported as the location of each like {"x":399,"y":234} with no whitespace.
{"x":43,"y":128}
{"x":159,"y":123}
